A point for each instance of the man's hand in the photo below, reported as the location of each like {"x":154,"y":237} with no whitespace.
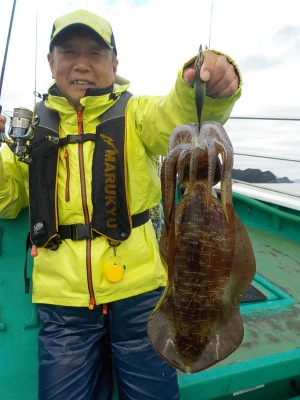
{"x":220,"y":76}
{"x":2,"y":123}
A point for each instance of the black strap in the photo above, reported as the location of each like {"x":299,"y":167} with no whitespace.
{"x":26,"y":278}
{"x":77,"y":138}
{"x":79,"y":232}
{"x":82,"y":231}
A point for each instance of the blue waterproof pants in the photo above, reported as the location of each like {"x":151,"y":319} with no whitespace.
{"x":77,"y":348}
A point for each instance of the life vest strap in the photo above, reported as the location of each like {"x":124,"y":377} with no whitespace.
{"x":76,"y":139}
{"x":82,"y":231}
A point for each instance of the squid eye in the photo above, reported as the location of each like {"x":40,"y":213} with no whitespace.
{"x":181,"y":191}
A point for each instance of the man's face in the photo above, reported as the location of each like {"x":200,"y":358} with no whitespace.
{"x":81,"y":61}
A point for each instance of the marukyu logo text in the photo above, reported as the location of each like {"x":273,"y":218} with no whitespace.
{"x":110,"y":186}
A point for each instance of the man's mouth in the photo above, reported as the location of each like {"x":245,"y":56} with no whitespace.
{"x":82,"y":82}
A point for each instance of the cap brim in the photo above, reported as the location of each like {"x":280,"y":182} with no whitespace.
{"x":64,"y":31}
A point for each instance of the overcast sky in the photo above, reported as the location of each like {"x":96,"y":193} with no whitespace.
{"x":155,"y":37}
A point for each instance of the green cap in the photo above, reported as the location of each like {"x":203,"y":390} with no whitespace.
{"x":87,"y":19}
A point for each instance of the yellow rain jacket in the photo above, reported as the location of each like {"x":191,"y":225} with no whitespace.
{"x":68,"y":276}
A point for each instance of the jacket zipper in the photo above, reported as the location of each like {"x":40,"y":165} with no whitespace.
{"x":67,"y":190}
{"x":86,"y":213}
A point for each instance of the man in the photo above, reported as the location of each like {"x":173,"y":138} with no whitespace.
{"x":97,"y":272}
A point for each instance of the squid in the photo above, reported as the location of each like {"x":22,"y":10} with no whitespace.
{"x":205,"y":249}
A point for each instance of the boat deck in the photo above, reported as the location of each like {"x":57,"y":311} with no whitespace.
{"x":267,"y":364}
{"x":265,"y":367}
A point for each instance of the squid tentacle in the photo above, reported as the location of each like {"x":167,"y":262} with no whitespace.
{"x":168,"y":178}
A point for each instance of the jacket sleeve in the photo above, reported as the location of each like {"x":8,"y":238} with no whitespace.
{"x":156,"y":117}
{"x":13,"y":185}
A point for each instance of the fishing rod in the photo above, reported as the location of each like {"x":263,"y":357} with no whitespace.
{"x":6,"y":49}
{"x":23,"y":122}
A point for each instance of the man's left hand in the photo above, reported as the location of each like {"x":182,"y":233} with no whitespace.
{"x":220,"y":76}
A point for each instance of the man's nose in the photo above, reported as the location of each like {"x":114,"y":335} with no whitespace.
{"x":82,"y":62}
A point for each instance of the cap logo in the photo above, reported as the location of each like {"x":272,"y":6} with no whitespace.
{"x":93,"y":23}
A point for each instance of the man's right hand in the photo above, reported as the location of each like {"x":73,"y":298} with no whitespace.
{"x":2,"y":123}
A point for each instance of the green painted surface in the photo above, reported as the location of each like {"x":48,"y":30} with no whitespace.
{"x":18,"y":324}
{"x":268,"y":359}
{"x":271,"y":218}
{"x":270,"y":351}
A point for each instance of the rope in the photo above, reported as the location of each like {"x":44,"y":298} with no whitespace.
{"x":211,"y":18}
{"x":270,"y":157}
{"x":266,"y":118}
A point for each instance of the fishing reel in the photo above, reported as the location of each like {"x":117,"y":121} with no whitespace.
{"x":21,"y":132}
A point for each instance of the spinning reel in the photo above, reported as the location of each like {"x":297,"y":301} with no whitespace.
{"x":21,"y":131}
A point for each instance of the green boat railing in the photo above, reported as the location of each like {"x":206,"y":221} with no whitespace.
{"x":268,"y":217}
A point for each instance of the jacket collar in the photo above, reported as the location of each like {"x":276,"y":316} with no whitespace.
{"x":54,"y":91}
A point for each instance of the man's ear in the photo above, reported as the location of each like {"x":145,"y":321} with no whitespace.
{"x":51,"y":63}
{"x":115,"y":66}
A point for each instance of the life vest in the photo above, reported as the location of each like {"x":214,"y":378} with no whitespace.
{"x":111,"y":215}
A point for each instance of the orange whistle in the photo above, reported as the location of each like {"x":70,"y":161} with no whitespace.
{"x":34,"y":251}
